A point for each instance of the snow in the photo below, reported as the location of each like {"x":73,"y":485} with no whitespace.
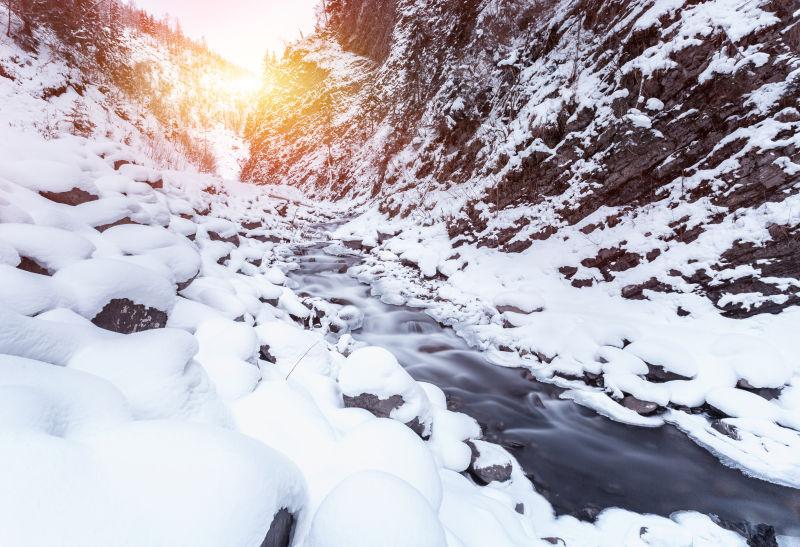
{"x":374,"y":508}
{"x":89,"y":285}
{"x":46,"y":176}
{"x":51,"y":248}
{"x":190,"y":435}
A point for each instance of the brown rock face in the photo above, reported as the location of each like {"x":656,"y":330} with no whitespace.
{"x":30,"y":265}
{"x":126,"y":317}
{"x":76,"y":196}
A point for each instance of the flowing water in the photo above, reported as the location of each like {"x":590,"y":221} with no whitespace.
{"x":580,"y":461}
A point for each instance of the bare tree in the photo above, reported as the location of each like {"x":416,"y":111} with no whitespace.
{"x":8,"y":4}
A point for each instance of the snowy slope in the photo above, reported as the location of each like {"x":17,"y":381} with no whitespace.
{"x":605,"y":193}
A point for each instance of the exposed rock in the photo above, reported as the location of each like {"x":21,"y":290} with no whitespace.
{"x":76,"y":196}
{"x":645,"y":408}
{"x":30,"y":265}
{"x":381,"y":408}
{"x":265,"y":355}
{"x":756,"y":535}
{"x":636,"y":292}
{"x":124,"y":316}
{"x":120,"y":222}
{"x":281,"y":531}
{"x":658,"y":374}
{"x":768,"y":393}
{"x":185,"y":284}
{"x":252,"y":225}
{"x":729,"y":430}
{"x":214,"y":236}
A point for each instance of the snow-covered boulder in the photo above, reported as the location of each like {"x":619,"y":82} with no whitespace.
{"x":174,"y":251}
{"x":489,"y":462}
{"x":46,"y":249}
{"x":228,"y":354}
{"x":54,"y":180}
{"x":372,"y":379}
{"x":117,"y":295}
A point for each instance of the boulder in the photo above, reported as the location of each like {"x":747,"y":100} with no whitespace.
{"x":125,"y":316}
{"x":489,"y":462}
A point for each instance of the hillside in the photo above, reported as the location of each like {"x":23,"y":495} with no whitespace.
{"x":514,"y":124}
{"x":495,"y":273}
{"x":106,"y":69}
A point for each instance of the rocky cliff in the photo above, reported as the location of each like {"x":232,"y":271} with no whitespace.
{"x":515,"y":122}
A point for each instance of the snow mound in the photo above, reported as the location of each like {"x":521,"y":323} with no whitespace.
{"x":373,"y":508}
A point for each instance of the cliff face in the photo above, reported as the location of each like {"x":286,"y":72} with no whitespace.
{"x":515,"y":122}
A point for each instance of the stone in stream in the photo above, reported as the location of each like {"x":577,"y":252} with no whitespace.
{"x":645,"y":408}
{"x":756,"y":535}
{"x":488,"y":462}
{"x":729,"y":430}
{"x":372,"y":379}
{"x":126,"y":317}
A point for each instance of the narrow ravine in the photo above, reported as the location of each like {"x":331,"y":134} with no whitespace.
{"x":580,"y":461}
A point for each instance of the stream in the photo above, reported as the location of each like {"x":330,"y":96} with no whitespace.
{"x":580,"y":461}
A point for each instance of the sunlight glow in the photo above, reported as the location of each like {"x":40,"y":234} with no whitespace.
{"x":240,"y":30}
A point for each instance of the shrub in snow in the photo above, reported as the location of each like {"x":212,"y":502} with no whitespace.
{"x":373,"y":508}
{"x":372,"y":379}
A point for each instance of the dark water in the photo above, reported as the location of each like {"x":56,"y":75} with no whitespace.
{"x":579,"y":460}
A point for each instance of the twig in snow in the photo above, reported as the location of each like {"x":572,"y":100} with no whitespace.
{"x":312,"y":346}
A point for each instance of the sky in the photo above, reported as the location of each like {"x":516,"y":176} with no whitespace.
{"x":240,"y":30}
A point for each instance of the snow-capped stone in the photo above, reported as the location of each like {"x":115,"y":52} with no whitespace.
{"x":372,"y":379}
{"x":489,"y":462}
{"x":116,"y":295}
{"x":50,"y":248}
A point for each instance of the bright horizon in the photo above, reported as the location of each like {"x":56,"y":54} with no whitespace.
{"x":243,"y":30}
